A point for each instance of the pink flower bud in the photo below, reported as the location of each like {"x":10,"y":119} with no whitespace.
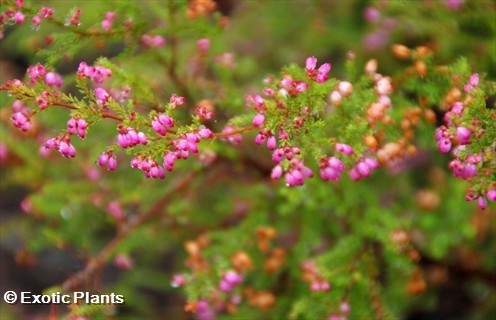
{"x":112,"y":163}
{"x":335,"y":98}
{"x":444,"y":145}
{"x":123,"y":261}
{"x":106,"y":25}
{"x":203,"y":45}
{"x":110,"y":15}
{"x":491,"y":195}
{"x":276,"y":172}
{"x":345,"y":88}
{"x":463,"y":135}
{"x":371,"y":14}
{"x":311,"y":63}
{"x":258,"y":120}
{"x":18,"y":17}
{"x":101,"y":96}
{"x":205,"y":133}
{"x":271,"y":143}
{"x":344,"y":148}
{"x":481,"y":202}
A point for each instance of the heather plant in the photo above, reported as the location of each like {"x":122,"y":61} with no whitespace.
{"x":340,"y":165}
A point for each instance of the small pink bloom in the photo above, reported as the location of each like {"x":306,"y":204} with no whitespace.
{"x":444,"y":145}
{"x":345,"y":88}
{"x":344,"y":148}
{"x":491,"y":195}
{"x":18,"y":17}
{"x":203,"y":45}
{"x":112,"y":163}
{"x":106,"y":25}
{"x":123,"y":261}
{"x":205,"y":133}
{"x":276,"y":172}
{"x":311,"y":63}
{"x":463,"y":135}
{"x":481,"y":202}
{"x":258,"y":120}
{"x":178,"y":280}
{"x":271,"y":143}
{"x":474,"y":80}
{"x":115,"y":210}
{"x":53,"y":79}
{"x":110,"y":16}
{"x":371,"y":14}
{"x":101,"y":96}
{"x":36,"y":20}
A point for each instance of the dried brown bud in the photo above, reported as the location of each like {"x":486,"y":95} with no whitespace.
{"x":371,"y":67}
{"x":421,"y":68}
{"x":423,"y":51}
{"x":400,"y":51}
{"x":427,"y":199}
{"x":371,"y":142}
{"x":417,"y":284}
{"x":430,"y":116}
{"x":241,"y":261}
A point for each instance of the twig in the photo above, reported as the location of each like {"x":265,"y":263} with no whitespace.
{"x":97,"y":261}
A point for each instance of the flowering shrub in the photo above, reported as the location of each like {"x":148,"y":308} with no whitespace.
{"x":327,"y":218}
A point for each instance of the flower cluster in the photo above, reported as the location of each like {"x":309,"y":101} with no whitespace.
{"x":21,"y":120}
{"x":230,"y":279}
{"x":313,"y":277}
{"x":107,"y":159}
{"x":461,"y":128}
{"x":320,"y":74}
{"x":63,"y":145}
{"x":128,"y":137}
{"x":97,"y":74}
{"x":77,"y":125}
{"x":107,"y":22}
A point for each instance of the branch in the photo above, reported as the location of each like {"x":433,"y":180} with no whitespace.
{"x":97,"y":261}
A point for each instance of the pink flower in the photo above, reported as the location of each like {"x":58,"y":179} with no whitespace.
{"x":203,"y":45}
{"x":205,"y":133}
{"x":123,"y":261}
{"x":158,"y":42}
{"x":101,"y":96}
{"x":276,"y":172}
{"x":21,"y":121}
{"x":345,"y":88}
{"x":106,"y":25}
{"x":18,"y":17}
{"x":106,"y":159}
{"x":444,"y":145}
{"x":371,"y":14}
{"x":115,"y":210}
{"x":491,"y":195}
{"x":37,"y":71}
{"x":474,"y":80}
{"x":482,"y":202}
{"x":454,"y":5}
{"x":319,"y":75}
{"x":335,"y":98}
{"x":344,"y":148}
{"x":178,"y":280}
{"x":271,"y":143}
{"x":53,"y":79}
{"x":463,"y":135}
{"x":258,"y":120}
{"x":110,"y":15}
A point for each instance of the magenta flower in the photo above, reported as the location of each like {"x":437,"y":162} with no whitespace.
{"x":320,"y":75}
{"x":258,"y":120}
